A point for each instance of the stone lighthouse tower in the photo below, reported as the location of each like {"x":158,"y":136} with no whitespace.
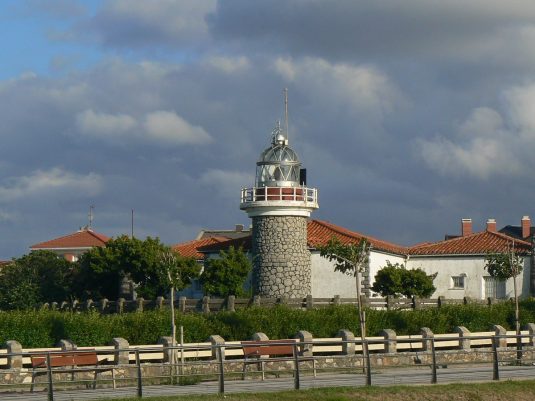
{"x":279,"y":205}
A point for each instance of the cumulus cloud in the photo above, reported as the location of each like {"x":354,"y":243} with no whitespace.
{"x":228,"y":65}
{"x":124,"y":23}
{"x":92,"y":123}
{"x":356,"y":88}
{"x":484,"y":145}
{"x":226,"y":183}
{"x":49,"y":181}
{"x":167,"y":126}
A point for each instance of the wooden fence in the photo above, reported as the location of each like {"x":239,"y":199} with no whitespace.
{"x":208,"y":304}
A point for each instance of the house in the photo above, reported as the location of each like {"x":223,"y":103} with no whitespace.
{"x":458,"y":261}
{"x":71,"y":246}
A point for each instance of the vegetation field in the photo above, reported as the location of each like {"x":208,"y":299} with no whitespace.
{"x":503,"y":391}
{"x":43,"y":328}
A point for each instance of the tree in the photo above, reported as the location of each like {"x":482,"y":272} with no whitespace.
{"x":350,"y":259}
{"x":40,"y":276}
{"x":395,"y":279}
{"x":504,"y":266}
{"x":226,"y":275}
{"x":101,"y":270}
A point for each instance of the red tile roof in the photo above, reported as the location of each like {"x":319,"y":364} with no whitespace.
{"x":320,"y":232}
{"x":474,"y":244}
{"x":80,"y":239}
{"x":190,"y":248}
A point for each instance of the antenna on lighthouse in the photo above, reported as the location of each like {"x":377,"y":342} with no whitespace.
{"x":285,"y":92}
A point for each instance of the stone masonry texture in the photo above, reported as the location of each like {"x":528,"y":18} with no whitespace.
{"x":281,"y":259}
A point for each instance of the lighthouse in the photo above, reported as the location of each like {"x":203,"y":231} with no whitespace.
{"x":279,"y":205}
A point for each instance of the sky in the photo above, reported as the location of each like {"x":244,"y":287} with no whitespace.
{"x":408,"y":116}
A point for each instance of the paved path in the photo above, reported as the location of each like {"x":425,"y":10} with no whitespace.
{"x":386,"y":377}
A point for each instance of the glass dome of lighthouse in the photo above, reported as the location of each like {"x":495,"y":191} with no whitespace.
{"x":278,"y":165}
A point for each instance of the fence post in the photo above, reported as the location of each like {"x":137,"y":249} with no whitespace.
{"x":336,"y":300}
{"x":530,"y":327}
{"x":389,"y":302}
{"x":464,"y":338}
{"x":256,"y":300}
{"x":427,"y":336}
{"x":103,"y":305}
{"x":14,"y":361}
{"x":310,"y":302}
{"x":206,"y":304}
{"x":140,"y":303}
{"x":49,"y":375}
{"x":495,"y":370}
{"x":221,"y":358}
{"x":501,"y":332}
{"x":120,"y":356}
{"x":297,"y":384}
{"x":139,"y":378}
{"x":366,"y":351}
{"x":441,"y":301}
{"x":416,"y":303}
{"x":231,"y":303}
{"x":306,"y":346}
{"x":434,"y":362}
{"x":391,"y":344}
{"x":348,"y":345}
{"x":182,"y":304}
{"x":218,"y":346}
{"x":120,"y":305}
{"x":159,"y":302}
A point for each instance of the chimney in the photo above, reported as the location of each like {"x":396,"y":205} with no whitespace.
{"x":466,"y":227}
{"x":526,"y":227}
{"x":491,"y":225}
{"x":239,"y":228}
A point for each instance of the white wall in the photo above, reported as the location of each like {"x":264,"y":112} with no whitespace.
{"x":327,"y":283}
{"x":473,"y":267}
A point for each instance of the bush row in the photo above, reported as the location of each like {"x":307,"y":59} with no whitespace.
{"x":45,"y":328}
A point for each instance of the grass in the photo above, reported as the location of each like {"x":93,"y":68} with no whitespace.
{"x":502,"y":391}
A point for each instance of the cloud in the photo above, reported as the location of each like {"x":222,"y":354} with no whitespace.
{"x":228,"y":65}
{"x":124,"y":23}
{"x":483,"y":145}
{"x":50,"y":181}
{"x":226,"y":183}
{"x":102,"y":124}
{"x":168,"y":127}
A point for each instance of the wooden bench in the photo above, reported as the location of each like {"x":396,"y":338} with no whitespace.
{"x":70,"y":362}
{"x":260,"y":352}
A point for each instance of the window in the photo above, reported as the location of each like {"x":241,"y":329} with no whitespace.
{"x":494,"y":288}
{"x":458,"y":282}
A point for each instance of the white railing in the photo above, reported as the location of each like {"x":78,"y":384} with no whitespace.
{"x":303,"y":195}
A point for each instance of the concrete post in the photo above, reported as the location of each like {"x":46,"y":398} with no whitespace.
{"x":466,"y":300}
{"x":121,"y":355}
{"x":120,"y":305}
{"x":256,"y":300}
{"x":310,"y":302}
{"x":348,"y":348}
{"x":140,"y":304}
{"x":206,"y":304}
{"x":88,"y":304}
{"x":13,"y":361}
{"x":67,"y":345}
{"x":530,"y":327}
{"x":103,"y":305}
{"x":217,"y":340}
{"x":54,"y":306}
{"x":182,"y":304}
{"x":389,"y":302}
{"x":231,"y":303}
{"x":441,"y":301}
{"x":167,"y":342}
{"x":464,"y":337}
{"x":427,"y":335}
{"x":305,"y":349}
{"x":159,"y":303}
{"x":416,"y":303}
{"x":391,"y":344}
{"x":336,"y":300}
{"x":500,"y":331}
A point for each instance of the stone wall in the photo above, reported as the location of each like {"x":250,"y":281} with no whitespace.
{"x":281,"y":259}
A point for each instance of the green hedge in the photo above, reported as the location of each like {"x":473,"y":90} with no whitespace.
{"x":45,"y":328}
